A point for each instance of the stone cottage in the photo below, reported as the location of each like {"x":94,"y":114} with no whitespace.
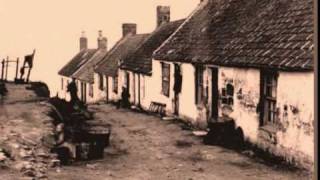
{"x":81,"y":67}
{"x":245,"y":60}
{"x":73,"y":65}
{"x":106,"y":72}
{"x":135,"y":70}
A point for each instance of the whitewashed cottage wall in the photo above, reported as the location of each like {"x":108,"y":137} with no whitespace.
{"x":292,"y":137}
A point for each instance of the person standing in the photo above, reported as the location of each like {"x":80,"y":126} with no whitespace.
{"x":125,"y":98}
{"x":73,"y":90}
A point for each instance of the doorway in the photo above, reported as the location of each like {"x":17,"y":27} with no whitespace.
{"x":127,"y":81}
{"x":177,"y":87}
{"x":215,"y":95}
{"x":83,"y":92}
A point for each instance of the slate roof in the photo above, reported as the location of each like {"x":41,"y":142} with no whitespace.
{"x":247,"y":33}
{"x":76,"y":62}
{"x":86,"y":72}
{"x":141,"y":59}
{"x":123,"y":48}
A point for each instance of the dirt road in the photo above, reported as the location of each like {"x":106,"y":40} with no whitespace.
{"x":145,"y":147}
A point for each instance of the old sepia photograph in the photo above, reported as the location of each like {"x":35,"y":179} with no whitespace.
{"x":158,"y":90}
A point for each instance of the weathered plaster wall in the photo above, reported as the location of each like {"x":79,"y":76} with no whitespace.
{"x":154,"y":87}
{"x":292,"y":135}
{"x":295,"y":105}
{"x":246,"y":83}
{"x":99,"y":95}
{"x":62,"y":93}
{"x":90,"y":99}
{"x":112,"y":96}
{"x":121,"y":74}
{"x":188,"y":110}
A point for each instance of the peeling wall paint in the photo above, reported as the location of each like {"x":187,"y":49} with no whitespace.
{"x":246,"y":84}
{"x":292,"y":134}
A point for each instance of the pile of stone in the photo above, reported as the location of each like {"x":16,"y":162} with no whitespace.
{"x":26,"y":141}
{"x":27,"y":156}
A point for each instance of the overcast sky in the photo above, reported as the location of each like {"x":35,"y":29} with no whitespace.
{"x":54,"y":27}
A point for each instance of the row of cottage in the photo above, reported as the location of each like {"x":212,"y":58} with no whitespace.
{"x":246,"y":60}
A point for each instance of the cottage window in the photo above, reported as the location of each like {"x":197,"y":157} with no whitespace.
{"x":115,"y":84}
{"x":165,"y":78}
{"x":91,"y":90}
{"x":199,"y":88}
{"x":269,"y":97}
{"x":100,"y":81}
{"x":227,"y":94}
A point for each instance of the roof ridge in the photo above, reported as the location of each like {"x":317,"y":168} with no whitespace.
{"x":155,"y":31}
{"x":80,"y":53}
{"x":114,"y":47}
{"x":90,"y":59}
{"x":200,"y":6}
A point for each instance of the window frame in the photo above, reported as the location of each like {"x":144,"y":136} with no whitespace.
{"x":91,"y":94}
{"x":165,"y":79}
{"x":101,"y":82}
{"x":199,"y":84}
{"x":269,"y":85}
{"x":226,"y":97}
{"x":115,"y":82}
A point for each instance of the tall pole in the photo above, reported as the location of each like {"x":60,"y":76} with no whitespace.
{"x":2,"y":70}
{"x":17,"y":67}
{"x":7,"y":65}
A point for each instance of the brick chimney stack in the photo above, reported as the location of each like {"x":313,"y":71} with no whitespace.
{"x":129,"y":29}
{"x":102,"y":41}
{"x":83,"y":41}
{"x":163,"y":15}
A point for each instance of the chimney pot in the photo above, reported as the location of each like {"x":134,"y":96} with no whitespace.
{"x":102,"y":41}
{"x":163,"y":15}
{"x":129,"y":29}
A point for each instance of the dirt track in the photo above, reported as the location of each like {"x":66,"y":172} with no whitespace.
{"x":144,"y":147}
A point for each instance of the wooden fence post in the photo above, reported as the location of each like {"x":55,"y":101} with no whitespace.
{"x":2,"y":70}
{"x":17,"y":67}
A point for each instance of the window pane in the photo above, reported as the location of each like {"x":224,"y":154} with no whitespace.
{"x":115,"y":84}
{"x":199,"y":84}
{"x":165,"y":78}
{"x":224,"y":92}
{"x":230,"y":90}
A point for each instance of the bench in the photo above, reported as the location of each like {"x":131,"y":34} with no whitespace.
{"x":159,"y":108}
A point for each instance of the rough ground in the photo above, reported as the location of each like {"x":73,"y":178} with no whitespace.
{"x":23,"y":124}
{"x":145,"y":147}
